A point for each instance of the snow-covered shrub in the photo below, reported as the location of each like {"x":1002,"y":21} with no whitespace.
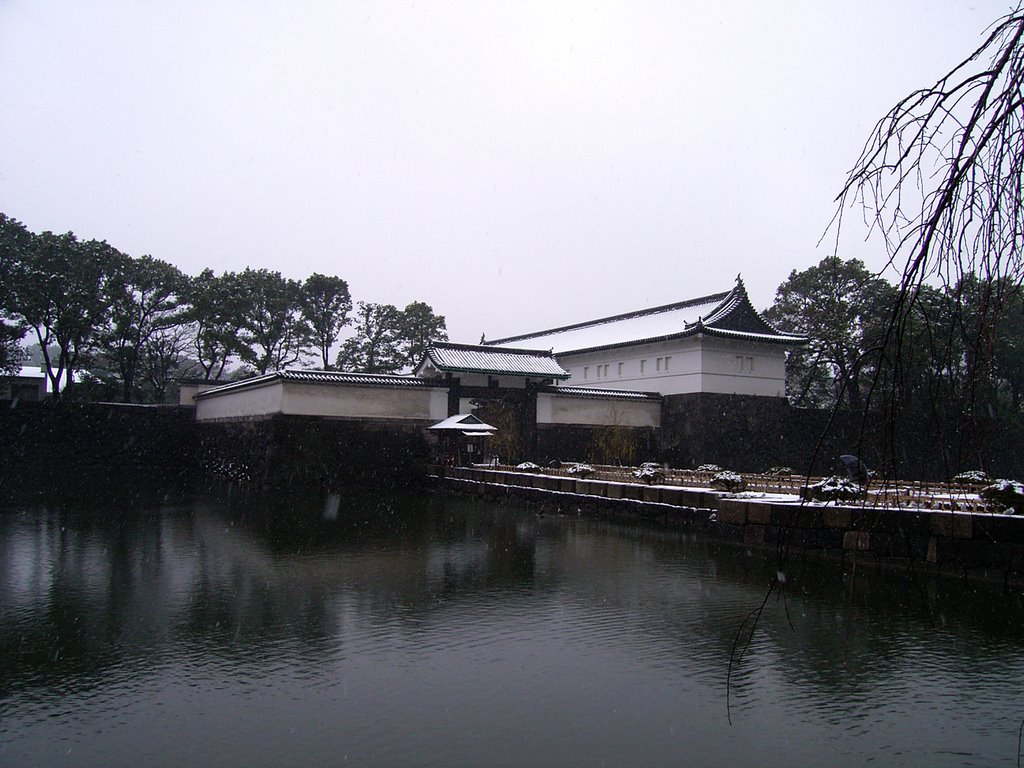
{"x":709,"y":468}
{"x":580,"y":470}
{"x":972,"y":476}
{"x":835,"y":488}
{"x":649,"y":472}
{"x":1005,"y":495}
{"x":528,"y":466}
{"x":728,"y":481}
{"x":781,"y":471}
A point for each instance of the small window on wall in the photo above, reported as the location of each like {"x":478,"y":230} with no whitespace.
{"x":620,"y":370}
{"x":745,"y":364}
{"x":657,"y":363}
{"x":606,"y":370}
{"x":586,"y":372}
{"x":643,"y":365}
{"x":666,"y":362}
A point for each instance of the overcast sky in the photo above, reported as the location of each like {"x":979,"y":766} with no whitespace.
{"x":516,"y":165}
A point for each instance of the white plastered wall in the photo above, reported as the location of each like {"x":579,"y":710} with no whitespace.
{"x":732,"y":367}
{"x":560,"y":409}
{"x":670,"y":368}
{"x":345,"y":402}
{"x":252,"y":402}
{"x":694,"y":364}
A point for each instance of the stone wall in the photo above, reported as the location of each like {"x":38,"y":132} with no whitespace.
{"x":970,"y":544}
{"x":304,"y":451}
{"x":753,"y":434}
{"x":47,"y":441}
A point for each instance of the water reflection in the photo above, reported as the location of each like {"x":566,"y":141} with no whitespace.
{"x":226,"y":627}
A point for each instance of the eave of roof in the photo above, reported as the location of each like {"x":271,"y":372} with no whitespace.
{"x":332,"y":378}
{"x":602,"y":394}
{"x":497,"y":361}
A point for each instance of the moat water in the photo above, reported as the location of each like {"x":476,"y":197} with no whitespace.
{"x":219,"y":628}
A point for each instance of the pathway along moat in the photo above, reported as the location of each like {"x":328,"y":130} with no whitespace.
{"x":221,"y":628}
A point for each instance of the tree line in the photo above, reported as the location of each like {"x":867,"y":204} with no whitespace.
{"x":959,"y":347}
{"x":112,"y":326}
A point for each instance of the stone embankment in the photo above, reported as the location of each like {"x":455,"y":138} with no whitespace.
{"x":967,"y":543}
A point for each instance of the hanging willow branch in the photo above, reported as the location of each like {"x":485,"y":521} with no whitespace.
{"x":940,"y":176}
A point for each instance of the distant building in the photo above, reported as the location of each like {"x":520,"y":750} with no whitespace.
{"x":29,"y":383}
{"x":717,"y":343}
{"x":550,"y":393}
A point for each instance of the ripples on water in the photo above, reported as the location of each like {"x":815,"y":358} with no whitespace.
{"x":388,"y":629}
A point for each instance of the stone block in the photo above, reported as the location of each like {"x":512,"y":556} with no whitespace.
{"x":614,"y":491}
{"x":732,"y":511}
{"x":915,"y":522}
{"x":857,"y":541}
{"x":802,"y":538}
{"x":727,"y":531}
{"x":632,"y":491}
{"x":831,"y":538}
{"x":836,"y":517}
{"x":753,"y":535}
{"x":889,"y":545}
{"x":759,"y":513}
{"x":675,"y":496}
{"x":789,"y":516}
{"x":963,"y":526}
{"x":884,"y":520}
{"x":1002,"y":528}
{"x":860,"y":519}
{"x":650,"y":494}
{"x":696,"y":499}
{"x":953,"y":525}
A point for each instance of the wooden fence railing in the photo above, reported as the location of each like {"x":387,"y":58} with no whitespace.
{"x":960,"y":497}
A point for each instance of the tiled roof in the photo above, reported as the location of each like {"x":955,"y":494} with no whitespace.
{"x":336,"y":378}
{"x":730,"y":313}
{"x":602,"y":394}
{"x":466,"y":358}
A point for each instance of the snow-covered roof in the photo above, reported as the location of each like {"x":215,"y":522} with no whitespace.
{"x":336,"y":378}
{"x":466,"y":358}
{"x":601,"y":394}
{"x":466,"y":423}
{"x":729,"y":314}
{"x":30,"y":372}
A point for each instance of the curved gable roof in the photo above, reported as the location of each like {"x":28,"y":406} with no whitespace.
{"x":729,"y":315}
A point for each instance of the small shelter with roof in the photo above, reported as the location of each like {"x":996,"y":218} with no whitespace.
{"x":717,"y":343}
{"x":462,"y":438}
